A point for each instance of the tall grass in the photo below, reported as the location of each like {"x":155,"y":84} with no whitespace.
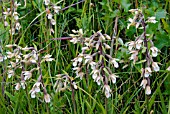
{"x":90,"y":15}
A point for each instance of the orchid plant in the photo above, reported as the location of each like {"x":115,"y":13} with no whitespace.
{"x":21,"y":58}
{"x":11,"y":16}
{"x":94,"y":57}
{"x":143,"y":44}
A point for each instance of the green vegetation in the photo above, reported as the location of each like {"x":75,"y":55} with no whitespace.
{"x":80,"y":34}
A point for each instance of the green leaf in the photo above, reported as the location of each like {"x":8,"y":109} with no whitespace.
{"x":142,"y":61}
{"x":166,"y":26}
{"x":162,"y":40}
{"x":160,"y":13}
{"x":167,"y":85}
{"x":164,"y":111}
{"x":12,"y":98}
{"x":125,"y":4}
{"x":131,"y":31}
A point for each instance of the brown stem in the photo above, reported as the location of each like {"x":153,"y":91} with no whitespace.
{"x":72,"y":96}
{"x":147,"y":57}
{"x":72,"y":5}
{"x":62,"y":38}
{"x":40,"y":71}
{"x":145,"y":42}
{"x":11,"y":8}
{"x":23,"y":69}
{"x":103,"y":73}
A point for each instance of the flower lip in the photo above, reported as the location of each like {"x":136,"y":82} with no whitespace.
{"x":47,"y":98}
{"x":154,"y":51}
{"x":148,"y":90}
{"x":144,"y":83}
{"x":148,"y":72}
{"x":107,"y":90}
{"x":47,"y":2}
{"x":155,"y":66}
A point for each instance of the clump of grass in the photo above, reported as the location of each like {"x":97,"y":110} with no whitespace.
{"x":34,"y":31}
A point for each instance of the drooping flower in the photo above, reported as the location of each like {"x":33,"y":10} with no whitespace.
{"x":47,"y":98}
{"x":17,"y":26}
{"x":88,"y":58}
{"x":12,"y":31}
{"x":139,"y":43}
{"x":77,"y":68}
{"x":32,"y":60}
{"x":99,"y":79}
{"x":10,"y":45}
{"x":6,"y":14}
{"x":33,"y":94}
{"x":131,"y":45}
{"x":47,"y":2}
{"x":37,"y":86}
{"x":12,"y":64}
{"x":144,"y":83}
{"x":85,"y":48}
{"x":9,"y":54}
{"x":133,"y":10}
{"x":49,"y":16}
{"x":74,"y":85}
{"x":79,"y":74}
{"x":6,"y":23}
{"x":113,"y":78}
{"x":35,"y":89}
{"x":48,"y":58}
{"x":106,"y":46}
{"x":148,"y":72}
{"x":114,"y":61}
{"x":23,"y":84}
{"x":17,"y":87}
{"x":75,"y":61}
{"x":15,"y":14}
{"x":56,"y":9}
{"x":26,"y":48}
{"x":151,"y":20}
{"x":10,"y":73}
{"x":155,"y":66}
{"x":16,"y":5}
{"x":27,"y":74}
{"x":74,"y":40}
{"x":107,"y":90}
{"x":2,"y":58}
{"x":101,"y":37}
{"x":53,"y":22}
{"x":80,"y":32}
{"x":148,"y":90}
{"x":154,"y":51}
{"x":132,"y":22}
{"x":95,"y":73}
{"x":93,"y":65}
{"x":134,"y":56}
{"x":80,"y":58}
{"x":107,"y":37}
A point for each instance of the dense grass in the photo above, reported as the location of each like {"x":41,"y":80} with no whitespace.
{"x":110,"y":16}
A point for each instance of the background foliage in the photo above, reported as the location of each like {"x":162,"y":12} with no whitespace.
{"x":127,"y":96}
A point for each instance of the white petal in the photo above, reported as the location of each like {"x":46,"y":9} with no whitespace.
{"x":116,"y":65}
{"x":47,"y":98}
{"x":148,"y":90}
{"x":33,"y":94}
{"x":146,"y":75}
{"x":154,"y":54}
{"x":17,"y":87}
{"x":107,"y":94}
